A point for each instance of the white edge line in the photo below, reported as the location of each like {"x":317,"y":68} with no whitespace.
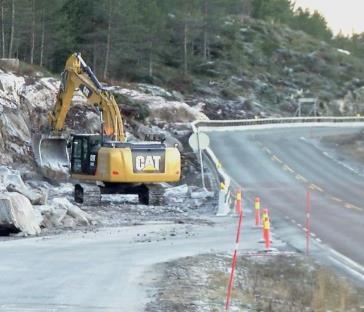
{"x":351,"y":270}
{"x":350,"y":262}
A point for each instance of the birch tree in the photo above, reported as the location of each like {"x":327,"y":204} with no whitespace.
{"x":12,"y":29}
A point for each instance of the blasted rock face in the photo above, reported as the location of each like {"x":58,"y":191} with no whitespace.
{"x":11,"y":181}
{"x":161,"y":104}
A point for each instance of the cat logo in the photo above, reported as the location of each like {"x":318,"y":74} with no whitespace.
{"x":86,"y":91}
{"x":147,"y":163}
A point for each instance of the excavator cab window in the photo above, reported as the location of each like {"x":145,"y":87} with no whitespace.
{"x":84,"y":154}
{"x":76,"y":163}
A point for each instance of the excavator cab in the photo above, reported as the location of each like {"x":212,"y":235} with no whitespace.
{"x":84,"y":153}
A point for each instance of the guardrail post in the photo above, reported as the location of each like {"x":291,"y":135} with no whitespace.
{"x":201,"y":160}
{"x":223,"y":208}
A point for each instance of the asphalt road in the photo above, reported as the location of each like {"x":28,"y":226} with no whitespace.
{"x":109,"y":270}
{"x":279,"y":166}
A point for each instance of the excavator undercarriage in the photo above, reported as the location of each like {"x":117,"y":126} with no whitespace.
{"x":90,"y":194}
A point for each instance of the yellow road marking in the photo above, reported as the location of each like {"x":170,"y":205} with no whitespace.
{"x":267,"y":150}
{"x":285,"y":167}
{"x":350,"y":206}
{"x":275,"y":158}
{"x":315,"y":187}
{"x":336,"y":199}
{"x":301,"y":178}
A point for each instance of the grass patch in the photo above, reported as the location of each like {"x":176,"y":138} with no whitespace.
{"x":270,"y":283}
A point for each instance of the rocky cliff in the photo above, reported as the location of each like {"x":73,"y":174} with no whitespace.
{"x":29,"y":203}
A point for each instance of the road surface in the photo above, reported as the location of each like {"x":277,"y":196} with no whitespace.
{"x":278,"y":165}
{"x":109,"y":270}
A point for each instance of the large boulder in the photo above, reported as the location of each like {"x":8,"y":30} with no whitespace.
{"x":8,"y":176}
{"x":12,"y":182}
{"x":36,"y":197}
{"x":61,"y":212}
{"x":17,"y":214}
{"x":53,"y":215}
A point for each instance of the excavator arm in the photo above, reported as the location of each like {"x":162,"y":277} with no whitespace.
{"x":77,"y":75}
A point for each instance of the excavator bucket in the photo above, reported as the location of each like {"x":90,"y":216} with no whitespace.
{"x":51,"y":156}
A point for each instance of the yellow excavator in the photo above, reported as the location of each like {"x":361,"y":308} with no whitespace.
{"x":105,"y":162}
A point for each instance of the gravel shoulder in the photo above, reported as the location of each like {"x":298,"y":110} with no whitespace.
{"x":287,"y":282}
{"x":348,"y":149}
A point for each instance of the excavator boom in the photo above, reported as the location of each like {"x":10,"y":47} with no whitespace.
{"x":77,"y":75}
{"x":50,"y":149}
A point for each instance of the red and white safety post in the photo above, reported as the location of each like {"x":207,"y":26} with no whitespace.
{"x":233,"y":264}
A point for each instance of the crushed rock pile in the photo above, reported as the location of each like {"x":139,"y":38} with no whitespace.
{"x":25,"y":207}
{"x":34,"y":206}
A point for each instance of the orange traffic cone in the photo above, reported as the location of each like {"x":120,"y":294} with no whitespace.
{"x":265,"y":216}
{"x":238,"y":209}
{"x":257,"y":211}
{"x":266,"y":232}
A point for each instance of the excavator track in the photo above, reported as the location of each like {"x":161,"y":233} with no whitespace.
{"x":156,"y":195}
{"x":87,"y":194}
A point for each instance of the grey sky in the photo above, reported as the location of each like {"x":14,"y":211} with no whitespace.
{"x":344,"y":15}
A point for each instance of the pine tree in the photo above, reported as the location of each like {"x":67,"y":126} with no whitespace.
{"x":12,"y":29}
{"x":3,"y":48}
{"x":153,"y":21}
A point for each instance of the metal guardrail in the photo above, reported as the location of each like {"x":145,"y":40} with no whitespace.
{"x":268,"y":121}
